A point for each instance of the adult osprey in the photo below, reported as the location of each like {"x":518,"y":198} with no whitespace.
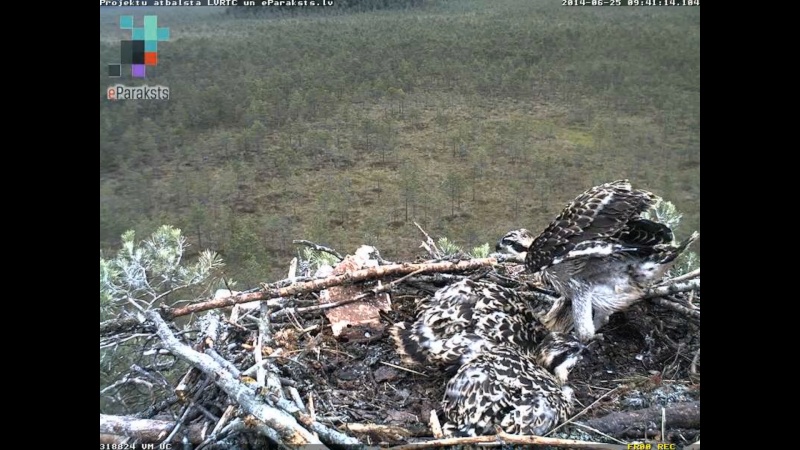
{"x":600,"y":255}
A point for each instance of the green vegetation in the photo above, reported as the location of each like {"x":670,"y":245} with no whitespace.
{"x":141,"y":276}
{"x":666,"y":213}
{"x":471,"y":118}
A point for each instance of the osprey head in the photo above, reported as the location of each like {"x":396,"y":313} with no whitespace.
{"x":558,"y":353}
{"x":515,"y":242}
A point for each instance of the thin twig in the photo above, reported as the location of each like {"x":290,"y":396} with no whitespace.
{"x":687,"y":276}
{"x":403,"y":368}
{"x":311,"y":411}
{"x":205,"y":411}
{"x":693,"y":313}
{"x":126,"y":380}
{"x":226,"y":416}
{"x":357,"y":298}
{"x":582,"y":412}
{"x":693,"y":366}
{"x":673,"y":288}
{"x":296,"y":398}
{"x":177,"y":425}
{"x":594,"y":430}
{"x":436,"y":426}
{"x":319,"y":248}
{"x":319,"y":307}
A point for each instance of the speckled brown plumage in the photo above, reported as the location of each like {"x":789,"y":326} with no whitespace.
{"x":462,"y":320}
{"x":523,"y":393}
{"x":599,"y":254}
{"x":602,"y":212}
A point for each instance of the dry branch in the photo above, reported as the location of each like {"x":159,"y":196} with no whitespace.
{"x":678,"y":415}
{"x":290,"y":432}
{"x":436,"y":426}
{"x":693,"y":313}
{"x":673,"y":288}
{"x":273,"y":294}
{"x":504,"y":438}
{"x":390,"y":431}
{"x":319,"y":248}
{"x":144,"y":430}
{"x":335,"y":280}
{"x":687,"y":276}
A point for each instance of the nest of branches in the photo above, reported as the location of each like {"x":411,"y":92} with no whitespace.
{"x":312,"y":363}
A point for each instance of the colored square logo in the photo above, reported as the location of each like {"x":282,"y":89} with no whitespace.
{"x":137,"y":70}
{"x":125,"y":22}
{"x":141,"y":49}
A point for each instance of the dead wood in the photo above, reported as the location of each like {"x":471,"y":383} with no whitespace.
{"x":687,"y":276}
{"x":635,"y":423}
{"x":505,"y":438}
{"x":387,"y":431}
{"x":290,"y":432}
{"x":672,"y":287}
{"x":677,"y":307}
{"x":371,"y":273}
{"x":319,"y":248}
{"x":143,"y":430}
{"x":299,"y":351}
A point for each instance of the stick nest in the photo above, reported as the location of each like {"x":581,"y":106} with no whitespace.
{"x":640,"y":384}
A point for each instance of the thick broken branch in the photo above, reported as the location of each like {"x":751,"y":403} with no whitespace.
{"x":618,"y":424}
{"x":335,"y":280}
{"x":144,"y":430}
{"x":504,"y":438}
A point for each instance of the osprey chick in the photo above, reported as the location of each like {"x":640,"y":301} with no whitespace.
{"x":599,"y":254}
{"x":522,"y":393}
{"x":464,"y":319}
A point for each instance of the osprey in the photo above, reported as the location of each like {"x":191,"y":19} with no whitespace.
{"x":522,"y":393}
{"x":599,"y":254}
{"x":463,"y":320}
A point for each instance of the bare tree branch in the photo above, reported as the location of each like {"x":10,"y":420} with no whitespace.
{"x":319,"y":248}
{"x":370,"y":273}
{"x":692,"y":313}
{"x":687,"y":276}
{"x":673,"y":288}
{"x":291,"y":433}
{"x":144,"y":430}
